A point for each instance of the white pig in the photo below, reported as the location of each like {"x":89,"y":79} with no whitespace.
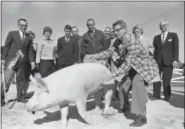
{"x":72,"y":84}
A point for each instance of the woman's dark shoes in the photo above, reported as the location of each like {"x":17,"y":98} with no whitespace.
{"x":139,"y":121}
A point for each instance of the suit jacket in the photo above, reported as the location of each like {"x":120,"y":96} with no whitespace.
{"x":95,"y":44}
{"x":67,"y":51}
{"x":79,"y":40}
{"x":169,"y":51}
{"x":108,"y":43}
{"x":13,"y":44}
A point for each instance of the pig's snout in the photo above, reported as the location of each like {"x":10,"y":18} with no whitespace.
{"x":29,"y":108}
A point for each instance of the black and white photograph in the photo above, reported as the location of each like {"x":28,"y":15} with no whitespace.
{"x":92,"y":64}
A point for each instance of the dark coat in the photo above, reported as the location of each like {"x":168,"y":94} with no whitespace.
{"x":13,"y":44}
{"x":67,"y":52}
{"x":169,"y":51}
{"x":92,"y":45}
{"x":79,"y":40}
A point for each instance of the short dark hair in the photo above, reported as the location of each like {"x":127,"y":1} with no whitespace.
{"x":90,"y":19}
{"x":22,"y":19}
{"x":68,"y":27}
{"x":47,"y":29}
{"x":120,"y":22}
{"x":30,"y":32}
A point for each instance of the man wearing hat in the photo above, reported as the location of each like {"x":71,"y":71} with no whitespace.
{"x":166,"y":54}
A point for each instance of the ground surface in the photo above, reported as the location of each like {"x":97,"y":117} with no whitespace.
{"x":160,"y":114}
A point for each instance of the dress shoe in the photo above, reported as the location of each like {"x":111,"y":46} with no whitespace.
{"x":139,"y":121}
{"x":28,"y":95}
{"x":22,"y":100}
{"x":168,"y":99}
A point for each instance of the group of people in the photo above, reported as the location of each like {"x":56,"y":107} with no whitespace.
{"x":132,"y":59}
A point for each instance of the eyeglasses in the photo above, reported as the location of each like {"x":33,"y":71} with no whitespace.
{"x":23,"y":25}
{"x":136,"y":32}
{"x":90,"y":24}
{"x":117,"y":30}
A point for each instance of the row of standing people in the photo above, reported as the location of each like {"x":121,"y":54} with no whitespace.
{"x":46,"y":56}
{"x":165,"y":53}
{"x":71,"y":48}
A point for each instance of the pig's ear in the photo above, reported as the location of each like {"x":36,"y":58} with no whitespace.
{"x":40,"y":83}
{"x":33,"y":80}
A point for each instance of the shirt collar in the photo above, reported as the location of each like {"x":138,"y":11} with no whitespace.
{"x":48,"y":40}
{"x":21,"y":33}
{"x":165,"y":33}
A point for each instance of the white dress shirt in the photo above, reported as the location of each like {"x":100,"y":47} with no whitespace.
{"x":165,"y":35}
{"x":21,"y":34}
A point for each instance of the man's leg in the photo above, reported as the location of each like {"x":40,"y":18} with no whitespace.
{"x":20,"y":80}
{"x":123,"y":93}
{"x":167,"y":75}
{"x":139,"y":99}
{"x":157,"y":87}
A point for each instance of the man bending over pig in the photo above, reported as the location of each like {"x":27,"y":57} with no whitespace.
{"x":137,"y":59}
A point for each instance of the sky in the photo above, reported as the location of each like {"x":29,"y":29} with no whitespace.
{"x":58,"y":14}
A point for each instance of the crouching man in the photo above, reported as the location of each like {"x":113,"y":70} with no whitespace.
{"x":137,"y":59}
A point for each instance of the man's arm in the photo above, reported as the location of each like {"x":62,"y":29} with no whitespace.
{"x":176,"y":47}
{"x":31,"y":52}
{"x":154,"y":45}
{"x":104,"y":42}
{"x":7,"y":45}
{"x":133,"y":51}
{"x":83,"y":48}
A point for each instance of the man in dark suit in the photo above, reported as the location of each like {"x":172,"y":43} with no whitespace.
{"x":166,"y":54}
{"x":67,"y":48}
{"x":16,"y":41}
{"x":93,"y":40}
{"x":79,"y":40}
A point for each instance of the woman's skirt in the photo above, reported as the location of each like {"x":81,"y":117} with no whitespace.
{"x":47,"y":67}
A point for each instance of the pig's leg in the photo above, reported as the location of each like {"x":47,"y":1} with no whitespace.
{"x":108,"y":98}
{"x":81,"y":106}
{"x":64,"y":115}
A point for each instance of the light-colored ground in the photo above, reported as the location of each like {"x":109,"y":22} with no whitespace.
{"x":160,"y":114}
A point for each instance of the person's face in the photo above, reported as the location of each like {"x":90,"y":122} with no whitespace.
{"x":67,"y":32}
{"x":112,"y":33}
{"x":137,"y":33}
{"x":23,"y":26}
{"x":163,"y":27}
{"x":119,"y":31}
{"x":75,"y":32}
{"x":47,"y":35}
{"x":91,"y":25}
{"x":107,"y":32}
